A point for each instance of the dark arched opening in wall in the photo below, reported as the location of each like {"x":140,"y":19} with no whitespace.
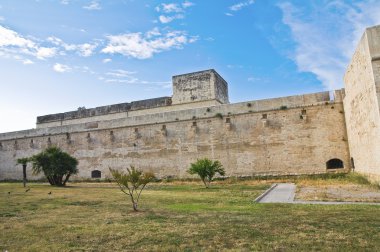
{"x":334,"y":163}
{"x":96,"y":174}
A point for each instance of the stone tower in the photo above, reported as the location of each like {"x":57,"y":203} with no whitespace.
{"x":200,"y":87}
{"x":362,"y":103}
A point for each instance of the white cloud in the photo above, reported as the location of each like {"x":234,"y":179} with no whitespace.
{"x":85,"y":50}
{"x":119,"y":73}
{"x":64,"y":2}
{"x":60,"y":68}
{"x":229,"y":14}
{"x":144,"y":46}
{"x":120,"y":76}
{"x":325,"y":37}
{"x":27,"y":62}
{"x":172,"y":11}
{"x":13,"y":43}
{"x":2,"y":18}
{"x":128,"y":77}
{"x":93,"y":5}
{"x":11,"y":38}
{"x":154,"y":32}
{"x":187,"y":4}
{"x":107,"y":60}
{"x":169,"y":8}
{"x":46,"y":52}
{"x":167,"y":19}
{"x":241,"y":5}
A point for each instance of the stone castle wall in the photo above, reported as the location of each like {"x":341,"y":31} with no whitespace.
{"x":362,"y":82}
{"x":252,"y":138}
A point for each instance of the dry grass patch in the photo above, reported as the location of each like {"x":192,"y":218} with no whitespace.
{"x":179,"y":216}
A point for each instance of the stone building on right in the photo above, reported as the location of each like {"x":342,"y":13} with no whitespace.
{"x":362,"y":105}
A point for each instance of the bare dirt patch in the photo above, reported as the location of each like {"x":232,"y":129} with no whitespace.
{"x":344,"y":192}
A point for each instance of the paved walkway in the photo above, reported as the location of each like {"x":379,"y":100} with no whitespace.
{"x":285,"y":193}
{"x":279,"y":193}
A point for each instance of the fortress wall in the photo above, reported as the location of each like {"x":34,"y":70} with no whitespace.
{"x":361,"y":103}
{"x":245,"y":143}
{"x":132,"y":113}
{"x":185,"y":111}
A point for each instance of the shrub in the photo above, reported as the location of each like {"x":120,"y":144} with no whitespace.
{"x":132,"y":183}
{"x":56,"y":165}
{"x":206,"y":169}
{"x":283,"y":107}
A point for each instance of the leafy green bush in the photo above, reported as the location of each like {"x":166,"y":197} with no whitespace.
{"x":56,"y":165}
{"x":132,"y":183}
{"x":206,"y":169}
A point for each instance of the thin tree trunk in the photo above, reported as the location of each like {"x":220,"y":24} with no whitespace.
{"x":135,"y":206}
{"x":24,"y":174}
{"x":50,"y":179}
{"x":204,"y":182}
{"x":66,"y":179}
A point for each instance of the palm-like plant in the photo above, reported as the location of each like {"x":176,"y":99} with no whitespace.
{"x":57,"y":165}
{"x":206,"y":169}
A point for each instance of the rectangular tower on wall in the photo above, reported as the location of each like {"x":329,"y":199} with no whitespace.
{"x":362,"y":103}
{"x":199,"y":87}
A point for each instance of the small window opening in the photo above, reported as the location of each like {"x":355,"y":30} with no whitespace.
{"x":164,"y":127}
{"x":68,"y":136}
{"x":96,"y":174}
{"x":228,"y":120}
{"x":194,"y":124}
{"x":334,"y":163}
{"x":136,"y":130}
{"x":264,"y":116}
{"x":303,"y":112}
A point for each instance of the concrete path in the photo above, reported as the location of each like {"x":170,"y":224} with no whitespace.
{"x":285,"y":193}
{"x":279,"y":193}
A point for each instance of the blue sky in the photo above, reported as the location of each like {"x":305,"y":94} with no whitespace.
{"x":56,"y":56}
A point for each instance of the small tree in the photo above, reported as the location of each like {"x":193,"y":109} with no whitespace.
{"x":23,"y":162}
{"x":132,"y":183}
{"x":206,"y":169}
{"x":56,"y":165}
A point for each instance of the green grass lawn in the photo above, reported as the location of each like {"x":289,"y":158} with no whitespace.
{"x":178,"y":216}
